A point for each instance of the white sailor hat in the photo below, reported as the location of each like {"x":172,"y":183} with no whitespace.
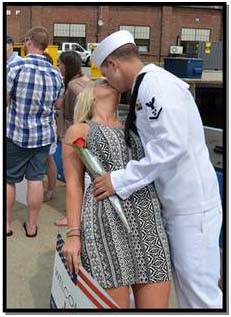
{"x":109,"y":45}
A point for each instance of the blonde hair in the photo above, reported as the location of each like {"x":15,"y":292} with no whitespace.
{"x":85,"y":102}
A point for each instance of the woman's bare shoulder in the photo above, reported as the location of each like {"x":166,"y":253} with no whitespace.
{"x":77,"y":130}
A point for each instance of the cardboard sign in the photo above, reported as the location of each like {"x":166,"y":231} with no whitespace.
{"x":73,"y":292}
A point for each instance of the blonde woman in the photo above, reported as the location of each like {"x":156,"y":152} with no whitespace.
{"x":113,"y":257}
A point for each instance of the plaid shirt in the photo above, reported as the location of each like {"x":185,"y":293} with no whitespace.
{"x":33,"y":85}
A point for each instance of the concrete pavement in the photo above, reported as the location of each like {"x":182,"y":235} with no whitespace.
{"x":30,"y":260}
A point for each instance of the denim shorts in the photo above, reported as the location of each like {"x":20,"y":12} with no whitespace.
{"x":25,"y":162}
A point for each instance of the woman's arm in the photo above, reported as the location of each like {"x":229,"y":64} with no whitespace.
{"x":74,"y":176}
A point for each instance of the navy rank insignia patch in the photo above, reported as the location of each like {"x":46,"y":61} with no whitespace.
{"x":154,"y":111}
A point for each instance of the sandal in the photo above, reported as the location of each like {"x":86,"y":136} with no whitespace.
{"x":30,"y":235}
{"x":9,"y":233}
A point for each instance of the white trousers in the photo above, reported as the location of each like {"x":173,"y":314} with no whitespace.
{"x":195,"y":256}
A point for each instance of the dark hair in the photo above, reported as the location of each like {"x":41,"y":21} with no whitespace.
{"x":73,"y":63}
{"x":48,"y":58}
{"x":126,"y":51}
{"x":39,"y":36}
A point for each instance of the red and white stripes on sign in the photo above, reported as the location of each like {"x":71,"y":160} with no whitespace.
{"x":99,"y":299}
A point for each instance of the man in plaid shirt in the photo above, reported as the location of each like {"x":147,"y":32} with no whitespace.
{"x":33,"y":86}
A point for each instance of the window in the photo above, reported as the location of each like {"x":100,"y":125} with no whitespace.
{"x":200,"y":35}
{"x":190,"y":39}
{"x":66,"y":47}
{"x":78,"y":48}
{"x":141,"y":35}
{"x":78,"y":30}
{"x":64,"y":32}
{"x":61,"y":29}
{"x":203,"y":35}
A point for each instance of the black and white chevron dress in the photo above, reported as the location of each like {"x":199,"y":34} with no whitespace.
{"x":111,"y":255}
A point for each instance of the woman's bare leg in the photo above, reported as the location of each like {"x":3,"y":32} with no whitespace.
{"x":152,"y":295}
{"x":120,"y":295}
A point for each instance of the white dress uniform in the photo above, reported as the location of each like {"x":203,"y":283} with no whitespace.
{"x":177,"y":159}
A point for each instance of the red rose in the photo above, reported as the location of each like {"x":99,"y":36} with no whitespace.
{"x":80,"y":142}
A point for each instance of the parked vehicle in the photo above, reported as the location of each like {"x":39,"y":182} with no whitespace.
{"x":85,"y":54}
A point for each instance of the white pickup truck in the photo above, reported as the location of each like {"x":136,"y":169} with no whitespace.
{"x":85,"y":54}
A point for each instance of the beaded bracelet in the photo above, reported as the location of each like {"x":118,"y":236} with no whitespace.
{"x":72,"y":229}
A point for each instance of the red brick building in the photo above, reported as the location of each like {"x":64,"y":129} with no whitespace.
{"x":155,"y":28}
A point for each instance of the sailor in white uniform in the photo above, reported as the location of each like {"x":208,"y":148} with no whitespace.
{"x":177,"y":160}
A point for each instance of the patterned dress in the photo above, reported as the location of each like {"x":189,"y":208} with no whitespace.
{"x":108,"y":252}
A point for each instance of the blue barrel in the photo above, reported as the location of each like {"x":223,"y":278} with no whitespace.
{"x":184,"y":67}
